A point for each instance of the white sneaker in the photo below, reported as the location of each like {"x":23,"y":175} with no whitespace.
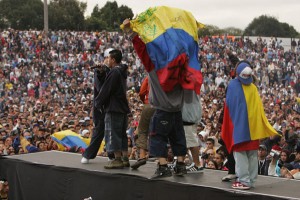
{"x":84,"y":160}
{"x":194,"y":169}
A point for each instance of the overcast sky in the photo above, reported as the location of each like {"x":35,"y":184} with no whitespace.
{"x":222,"y":13}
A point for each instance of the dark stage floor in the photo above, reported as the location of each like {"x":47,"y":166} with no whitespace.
{"x":270,"y":187}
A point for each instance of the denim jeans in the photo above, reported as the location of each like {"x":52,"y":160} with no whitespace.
{"x":246,"y":166}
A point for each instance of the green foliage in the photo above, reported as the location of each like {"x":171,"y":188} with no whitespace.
{"x":269,"y":26}
{"x":23,"y":14}
{"x":66,"y":14}
{"x":233,"y":31}
{"x":214,"y":30}
{"x":109,"y":17}
{"x":95,"y":24}
{"x":69,"y":15}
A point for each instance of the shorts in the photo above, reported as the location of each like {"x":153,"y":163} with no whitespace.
{"x":143,"y":128}
{"x":191,"y":135}
{"x":115,"y":132}
{"x":167,"y":127}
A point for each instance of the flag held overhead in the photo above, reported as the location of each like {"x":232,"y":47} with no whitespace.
{"x":171,"y":39}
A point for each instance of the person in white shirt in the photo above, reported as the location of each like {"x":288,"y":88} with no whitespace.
{"x":219,"y":80}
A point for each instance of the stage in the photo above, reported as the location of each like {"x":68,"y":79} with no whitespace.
{"x":58,"y":175}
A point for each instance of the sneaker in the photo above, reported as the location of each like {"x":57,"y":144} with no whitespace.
{"x":114,"y":164}
{"x":229,"y":177}
{"x":161,"y":172}
{"x":240,"y":186}
{"x":126,"y":162}
{"x":194,"y":169}
{"x":84,"y":160}
{"x":173,"y":164}
{"x":179,"y":169}
{"x":139,"y":163}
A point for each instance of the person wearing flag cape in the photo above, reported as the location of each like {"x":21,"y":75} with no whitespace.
{"x":244,"y":124}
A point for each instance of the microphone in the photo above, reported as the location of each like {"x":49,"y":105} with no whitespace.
{"x":97,"y":67}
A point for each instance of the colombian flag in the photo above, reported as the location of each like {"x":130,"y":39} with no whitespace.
{"x":171,"y":39}
{"x":244,"y":117}
{"x":70,"y":139}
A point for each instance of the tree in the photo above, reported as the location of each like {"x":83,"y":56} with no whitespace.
{"x":109,"y":17}
{"x":23,"y":14}
{"x":269,"y":26}
{"x":233,"y":31}
{"x":66,"y":14}
{"x":210,"y":30}
{"x":94,"y":23}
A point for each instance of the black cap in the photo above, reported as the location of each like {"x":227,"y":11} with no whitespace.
{"x":286,"y":165}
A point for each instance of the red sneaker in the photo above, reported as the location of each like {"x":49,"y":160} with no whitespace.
{"x":240,"y":186}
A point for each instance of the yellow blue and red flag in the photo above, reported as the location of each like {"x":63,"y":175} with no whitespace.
{"x":244,"y":117}
{"x":171,"y":39}
{"x":70,"y":139}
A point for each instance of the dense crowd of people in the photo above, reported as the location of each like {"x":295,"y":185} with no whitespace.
{"x":47,"y":86}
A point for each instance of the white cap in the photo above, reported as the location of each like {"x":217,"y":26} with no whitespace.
{"x":203,"y":133}
{"x":85,"y":131}
{"x":106,"y":52}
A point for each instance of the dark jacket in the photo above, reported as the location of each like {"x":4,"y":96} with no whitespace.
{"x":113,"y":92}
{"x":263,"y":167}
{"x":99,"y":78}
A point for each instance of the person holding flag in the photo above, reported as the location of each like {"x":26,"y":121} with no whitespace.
{"x":165,"y":40}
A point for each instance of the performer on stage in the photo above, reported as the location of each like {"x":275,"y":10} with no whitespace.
{"x":100,"y":73}
{"x":167,"y":122}
{"x":244,"y":123}
{"x":112,"y":97}
{"x":170,"y":56}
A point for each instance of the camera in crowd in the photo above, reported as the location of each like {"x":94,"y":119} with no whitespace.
{"x":274,"y":153}
{"x":15,"y":132}
{"x":205,"y":156}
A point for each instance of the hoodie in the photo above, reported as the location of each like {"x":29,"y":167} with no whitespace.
{"x":113,"y":92}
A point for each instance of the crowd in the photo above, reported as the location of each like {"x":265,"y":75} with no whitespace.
{"x":47,"y":86}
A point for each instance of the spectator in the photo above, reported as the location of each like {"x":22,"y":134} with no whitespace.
{"x":113,"y":97}
{"x":278,"y":159}
{"x":219,"y":159}
{"x":263,"y":162}
{"x":212,"y":164}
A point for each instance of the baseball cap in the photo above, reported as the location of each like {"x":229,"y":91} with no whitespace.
{"x":286,"y":165}
{"x":296,"y":165}
{"x":85,"y":131}
{"x":202,"y":133}
{"x":106,"y":52}
{"x":263,"y":147}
